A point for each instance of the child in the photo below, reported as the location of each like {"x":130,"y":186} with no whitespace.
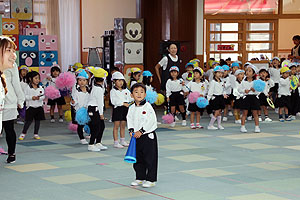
{"x":141,"y":123}
{"x":275,"y":76}
{"x":120,"y":99}
{"x":228,"y":89}
{"x":199,"y":84}
{"x":95,"y":105}
{"x":237,"y":95}
{"x":34,"y":95}
{"x":50,"y":80}
{"x":174,"y":94}
{"x":284,"y":94}
{"x":23,"y":70}
{"x":216,"y":96}
{"x":80,"y":95}
{"x":189,"y":70}
{"x":209,"y":74}
{"x":135,"y":76}
{"x":265,"y":76}
{"x":294,"y":95}
{"x":250,"y":100}
{"x":147,"y":80}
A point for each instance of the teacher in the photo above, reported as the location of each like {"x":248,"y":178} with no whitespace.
{"x":166,"y":63}
{"x":14,"y":97}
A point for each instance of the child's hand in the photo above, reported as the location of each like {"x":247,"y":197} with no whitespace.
{"x":126,"y":104}
{"x":73,"y":102}
{"x":48,"y":78}
{"x":201,"y":95}
{"x":168,"y":99}
{"x":182,"y":83}
{"x":102,"y":117}
{"x":37,"y":98}
{"x":225,"y":96}
{"x":247,"y":91}
{"x":252,"y":89}
{"x":34,"y":98}
{"x":137,"y":134}
{"x":290,"y":77}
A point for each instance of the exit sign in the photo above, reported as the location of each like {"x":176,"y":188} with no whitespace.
{"x":222,"y":47}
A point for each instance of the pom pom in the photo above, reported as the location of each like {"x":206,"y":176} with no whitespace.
{"x":193,"y":96}
{"x":168,"y":119}
{"x":259,"y":85}
{"x":202,"y":102}
{"x":151,"y":96}
{"x":87,"y":129}
{"x":65,"y":80}
{"x":68,"y":115}
{"x":160,"y":99}
{"x":52,"y":93}
{"x":72,"y":127}
{"x":82,"y":116}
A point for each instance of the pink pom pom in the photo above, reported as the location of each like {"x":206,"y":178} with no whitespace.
{"x":51,"y":92}
{"x":72,"y":127}
{"x":65,"y":80}
{"x":168,"y":119}
{"x":193,"y":97}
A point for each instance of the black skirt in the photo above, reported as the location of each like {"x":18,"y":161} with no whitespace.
{"x":176,"y":99}
{"x":263,"y":100}
{"x":119,"y":113}
{"x":250,"y":102}
{"x":34,"y":113}
{"x":217,"y":102}
{"x":237,"y":103}
{"x":275,"y":88}
{"x":59,"y":101}
{"x":194,"y":108}
{"x":283,"y":101}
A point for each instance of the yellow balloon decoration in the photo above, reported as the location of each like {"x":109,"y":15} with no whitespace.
{"x":160,"y":99}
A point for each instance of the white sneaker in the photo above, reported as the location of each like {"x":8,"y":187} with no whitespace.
{"x":211,"y":115}
{"x":158,"y":123}
{"x":238,"y":121}
{"x":225,"y":119}
{"x":230,"y":113}
{"x":118,"y":145}
{"x":221,"y":127}
{"x":61,"y":120}
{"x":257,"y":129}
{"x":293,"y":117}
{"x":172,"y":124}
{"x":243,"y":129}
{"x":125,"y":144}
{"x":276,"y":110}
{"x":148,"y":184}
{"x":20,"y":122}
{"x":212,"y":127}
{"x":193,"y":126}
{"x":183,"y":123}
{"x":93,"y":148}
{"x":110,"y":121}
{"x":22,"y":136}
{"x":249,"y":118}
{"x":298,"y":114}
{"x":268,"y":119}
{"x":188,"y":113}
{"x":83,"y":141}
{"x":137,"y":182}
{"x":101,"y":146}
{"x":259,"y":119}
{"x":52,"y":121}
{"x":176,"y":118}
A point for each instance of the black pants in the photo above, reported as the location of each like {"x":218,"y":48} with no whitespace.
{"x":294,"y":102}
{"x":96,"y":125}
{"x":147,"y":158}
{"x":36,"y":126}
{"x":11,"y":137}
{"x":80,"y":131}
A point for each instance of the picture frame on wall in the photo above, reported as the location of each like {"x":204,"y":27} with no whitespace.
{"x":21,"y":9}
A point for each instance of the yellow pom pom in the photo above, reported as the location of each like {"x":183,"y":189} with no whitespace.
{"x":160,"y":99}
{"x":68,"y":115}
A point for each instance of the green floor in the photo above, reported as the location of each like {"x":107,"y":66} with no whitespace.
{"x":193,"y":164}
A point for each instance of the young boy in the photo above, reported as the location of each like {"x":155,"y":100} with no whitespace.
{"x":142,"y":123}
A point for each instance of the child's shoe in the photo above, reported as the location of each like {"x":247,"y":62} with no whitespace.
{"x":221,"y":127}
{"x":288,"y":119}
{"x":249,"y":118}
{"x":172,"y":124}
{"x":22,"y":136}
{"x":212,"y":127}
{"x":19,"y":121}
{"x":281,"y":120}
{"x":193,"y":126}
{"x":137,"y":182}
{"x":276,"y":110}
{"x":36,"y":136}
{"x":124,"y":144}
{"x":61,"y":120}
{"x":257,"y":129}
{"x":83,"y":141}
{"x":183,"y":123}
{"x":259,"y":119}
{"x":118,"y":145}
{"x":225,"y":119}
{"x":148,"y":184}
{"x":199,"y":126}
{"x":11,"y":159}
{"x":243,"y":129}
{"x":101,"y":146}
{"x":238,"y":121}
{"x":230,"y":113}
{"x":93,"y":148}
{"x":176,"y":118}
{"x":293,"y":117}
{"x":268,"y":119}
{"x":52,"y":120}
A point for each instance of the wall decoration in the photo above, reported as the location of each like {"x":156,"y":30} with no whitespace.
{"x":133,"y":52}
{"x":34,"y":31}
{"x":28,"y":43}
{"x":21,"y":9}
{"x":15,"y":39}
{"x":48,"y":43}
{"x":10,"y":26}
{"x":48,"y":58}
{"x":29,"y":58}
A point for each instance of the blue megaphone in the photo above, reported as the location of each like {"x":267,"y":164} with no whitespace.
{"x":130,"y":156}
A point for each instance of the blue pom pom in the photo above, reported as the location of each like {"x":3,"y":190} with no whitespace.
{"x":259,"y":85}
{"x":202,"y":102}
{"x":82,"y":116}
{"x":87,"y":129}
{"x":151,"y":96}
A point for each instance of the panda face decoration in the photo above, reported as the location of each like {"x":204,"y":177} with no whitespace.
{"x":133,"y":31}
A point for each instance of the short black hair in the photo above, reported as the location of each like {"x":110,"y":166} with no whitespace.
{"x":137,"y":85}
{"x":114,"y":69}
{"x":296,"y":37}
{"x":55,"y":68}
{"x":98,"y":79}
{"x":30,"y":75}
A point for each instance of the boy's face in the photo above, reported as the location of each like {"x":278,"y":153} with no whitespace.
{"x":286,"y":74}
{"x":189,"y":69}
{"x":138,"y":94}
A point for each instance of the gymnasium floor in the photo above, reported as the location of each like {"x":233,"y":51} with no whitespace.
{"x":193,"y":164}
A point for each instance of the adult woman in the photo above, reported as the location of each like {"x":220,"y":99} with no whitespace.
{"x":14,"y":97}
{"x":166,"y":63}
{"x":295,"y":52}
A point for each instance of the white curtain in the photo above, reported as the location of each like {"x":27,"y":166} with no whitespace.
{"x":69,"y":22}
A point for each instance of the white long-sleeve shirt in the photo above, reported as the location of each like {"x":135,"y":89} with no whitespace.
{"x":284,"y":87}
{"x":227,"y":85}
{"x":215,"y":89}
{"x":119,"y":97}
{"x":184,"y":77}
{"x":275,"y":74}
{"x":201,"y":87}
{"x":80,"y":98}
{"x":237,"y":89}
{"x":31,"y":92}
{"x":173,"y":86}
{"x":269,"y":84}
{"x":96,"y":98}
{"x":23,"y":85}
{"x":246,"y":85}
{"x":141,"y":118}
{"x":47,"y":82}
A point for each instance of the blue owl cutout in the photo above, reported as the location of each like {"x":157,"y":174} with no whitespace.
{"x":48,"y":58}
{"x":28,"y":43}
